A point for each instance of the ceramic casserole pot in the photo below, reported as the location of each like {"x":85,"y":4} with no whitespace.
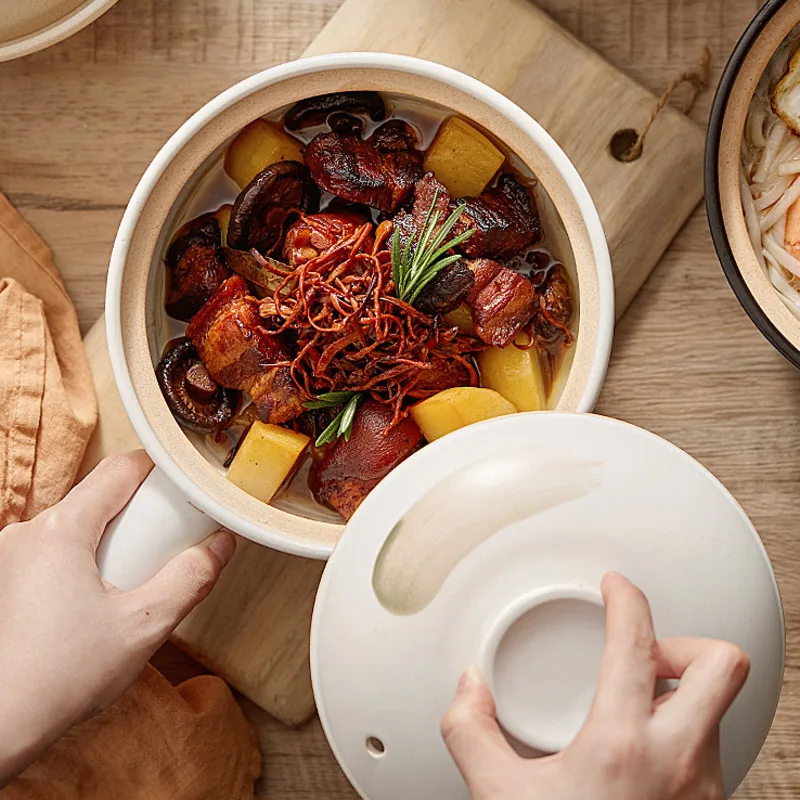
{"x":187,"y":495}
{"x":27,"y":26}
{"x":764,"y":289}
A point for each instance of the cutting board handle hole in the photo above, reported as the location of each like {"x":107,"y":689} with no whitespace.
{"x":623,"y":145}
{"x":375,"y":747}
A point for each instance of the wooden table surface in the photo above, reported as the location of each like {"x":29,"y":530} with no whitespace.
{"x":80,"y":122}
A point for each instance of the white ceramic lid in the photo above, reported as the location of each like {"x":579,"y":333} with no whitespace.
{"x":488,"y":547}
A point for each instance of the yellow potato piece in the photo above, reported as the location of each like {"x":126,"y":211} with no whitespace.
{"x":455,"y":408}
{"x":223,"y":215}
{"x":265,"y":459}
{"x":462,"y":158}
{"x":256,"y":147}
{"x":461,"y":317}
{"x":516,"y":374}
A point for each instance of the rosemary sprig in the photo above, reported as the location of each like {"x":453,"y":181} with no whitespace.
{"x":412,"y":273}
{"x":342,"y":423}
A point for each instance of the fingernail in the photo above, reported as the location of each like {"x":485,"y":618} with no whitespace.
{"x":470,"y":677}
{"x":223,"y":545}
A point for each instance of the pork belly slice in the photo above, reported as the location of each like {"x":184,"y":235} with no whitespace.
{"x":314,"y":233}
{"x":504,"y":217}
{"x":502,"y":301}
{"x":505,"y":220}
{"x":377,"y":172}
{"x":240,"y":353}
{"x":350,"y":470}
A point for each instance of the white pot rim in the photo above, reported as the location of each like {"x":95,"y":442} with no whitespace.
{"x":56,"y":32}
{"x":216,"y":106}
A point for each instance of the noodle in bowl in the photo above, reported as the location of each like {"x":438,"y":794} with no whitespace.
{"x":770,"y":182}
{"x":753,"y":174}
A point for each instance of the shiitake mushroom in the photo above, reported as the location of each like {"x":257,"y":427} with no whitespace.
{"x":194,"y":265}
{"x":260,"y":211}
{"x":447,"y":290}
{"x":554,"y":306}
{"x":315,"y":110}
{"x":202,"y":230}
{"x":345,"y":124}
{"x":394,"y":136}
{"x":195,"y":399}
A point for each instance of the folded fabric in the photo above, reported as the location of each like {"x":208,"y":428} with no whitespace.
{"x":156,"y":742}
{"x":48,"y":408}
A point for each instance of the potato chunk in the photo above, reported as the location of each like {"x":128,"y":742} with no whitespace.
{"x":461,"y":317}
{"x":455,"y":408}
{"x":462,"y":158}
{"x":223,"y":215}
{"x":256,"y":147}
{"x":516,"y":374}
{"x":265,"y":459}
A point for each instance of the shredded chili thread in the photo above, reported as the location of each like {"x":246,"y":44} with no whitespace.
{"x":353,"y":334}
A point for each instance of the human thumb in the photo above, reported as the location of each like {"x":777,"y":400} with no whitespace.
{"x":473,"y":736}
{"x":188,"y":578}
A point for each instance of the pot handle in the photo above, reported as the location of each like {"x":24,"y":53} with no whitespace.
{"x":158,"y":524}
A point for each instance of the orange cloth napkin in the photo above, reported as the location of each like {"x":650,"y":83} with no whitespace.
{"x":47,"y":405}
{"x":157,"y":742}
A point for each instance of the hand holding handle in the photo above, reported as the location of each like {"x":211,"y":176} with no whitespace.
{"x":156,"y":525}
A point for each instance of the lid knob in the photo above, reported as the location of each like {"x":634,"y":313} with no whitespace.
{"x":541,"y":660}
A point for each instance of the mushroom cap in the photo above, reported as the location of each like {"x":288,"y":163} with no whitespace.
{"x":315,"y":110}
{"x":260,"y":211}
{"x":196,"y":401}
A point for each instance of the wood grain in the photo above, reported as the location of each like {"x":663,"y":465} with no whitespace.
{"x":687,"y":362}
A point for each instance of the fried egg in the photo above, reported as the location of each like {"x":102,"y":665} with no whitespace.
{"x":785,"y":97}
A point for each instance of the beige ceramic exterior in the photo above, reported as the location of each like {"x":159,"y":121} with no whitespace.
{"x":741,"y":95}
{"x":146,"y":223}
{"x":72,"y":22}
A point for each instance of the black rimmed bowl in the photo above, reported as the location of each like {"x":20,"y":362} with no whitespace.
{"x":742,"y":265}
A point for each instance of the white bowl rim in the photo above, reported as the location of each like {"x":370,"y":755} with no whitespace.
{"x":187,"y":131}
{"x":56,"y":32}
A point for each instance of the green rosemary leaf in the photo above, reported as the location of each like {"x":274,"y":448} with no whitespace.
{"x":412,"y":273}
{"x":336,"y":397}
{"x":431,"y":209}
{"x":454,"y":242}
{"x":331,"y":432}
{"x":348,"y":415}
{"x":430,"y":275}
{"x":328,"y":400}
{"x":446,"y":227}
{"x":403,"y":266}
{"x":421,"y":254}
{"x":313,"y":405}
{"x":342,"y":423}
{"x":396,"y":257}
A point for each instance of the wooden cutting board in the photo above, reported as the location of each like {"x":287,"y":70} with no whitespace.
{"x":254,"y":628}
